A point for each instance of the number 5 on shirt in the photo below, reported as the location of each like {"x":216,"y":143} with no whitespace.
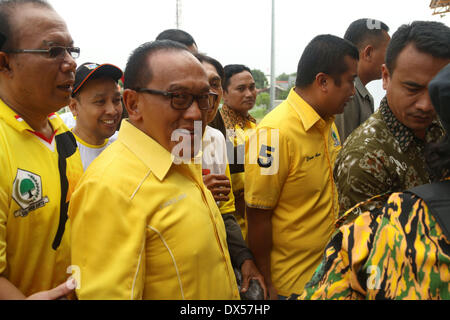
{"x":268,"y":155}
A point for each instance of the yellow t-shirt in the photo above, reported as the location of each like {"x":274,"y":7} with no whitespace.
{"x":145,"y":228}
{"x":289,"y":170}
{"x":34,"y":238}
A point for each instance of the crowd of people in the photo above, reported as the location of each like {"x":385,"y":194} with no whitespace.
{"x":160,"y":185}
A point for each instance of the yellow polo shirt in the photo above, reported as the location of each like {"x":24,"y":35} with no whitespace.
{"x":290,"y":170}
{"x":34,"y":237}
{"x":239,"y":138}
{"x":145,"y":228}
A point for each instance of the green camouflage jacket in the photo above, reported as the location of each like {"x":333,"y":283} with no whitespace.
{"x":381,"y":156}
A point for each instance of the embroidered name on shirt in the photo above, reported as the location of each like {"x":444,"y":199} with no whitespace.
{"x":172,"y":201}
{"x":313,"y":157}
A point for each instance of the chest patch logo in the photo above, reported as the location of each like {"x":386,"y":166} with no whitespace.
{"x":27,"y":192}
{"x":335,"y":138}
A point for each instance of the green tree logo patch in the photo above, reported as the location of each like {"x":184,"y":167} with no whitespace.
{"x":27,"y":192}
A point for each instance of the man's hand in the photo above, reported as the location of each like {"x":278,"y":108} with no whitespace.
{"x":60,"y":292}
{"x":219,"y":185}
{"x":250,"y":272}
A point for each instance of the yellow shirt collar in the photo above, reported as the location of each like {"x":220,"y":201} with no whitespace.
{"x":150,"y":152}
{"x":306,"y":113}
{"x":86,"y":144}
{"x":18,"y":123}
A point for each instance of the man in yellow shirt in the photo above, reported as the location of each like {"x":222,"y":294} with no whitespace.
{"x":239,"y":96}
{"x":144,"y":224}
{"x":289,"y":190}
{"x":39,"y":161}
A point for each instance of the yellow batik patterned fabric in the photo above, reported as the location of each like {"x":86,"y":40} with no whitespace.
{"x":397,"y":252}
{"x":239,"y":128}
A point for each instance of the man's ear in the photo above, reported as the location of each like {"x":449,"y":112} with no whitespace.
{"x":385,"y":75}
{"x":322,"y":80}
{"x":366,"y":54}
{"x":131,"y":103}
{"x":73,"y":106}
{"x":224,"y":96}
{"x":4,"y":63}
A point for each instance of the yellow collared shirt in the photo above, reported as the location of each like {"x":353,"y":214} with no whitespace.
{"x":33,"y":255}
{"x":289,"y":170}
{"x":145,"y":228}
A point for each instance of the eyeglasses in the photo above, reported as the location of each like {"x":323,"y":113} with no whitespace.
{"x":182,"y":101}
{"x":52,"y":52}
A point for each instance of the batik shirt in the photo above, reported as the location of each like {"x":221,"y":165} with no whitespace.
{"x":238,"y":129}
{"x":396,"y":252}
{"x":380,"y":157}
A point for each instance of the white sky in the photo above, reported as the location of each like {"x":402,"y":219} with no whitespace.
{"x":232,"y":31}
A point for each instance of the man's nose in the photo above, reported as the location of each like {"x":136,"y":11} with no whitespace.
{"x":424,"y":103}
{"x":249,"y":92}
{"x":111,"y":108}
{"x":69,"y":64}
{"x":193,"y":112}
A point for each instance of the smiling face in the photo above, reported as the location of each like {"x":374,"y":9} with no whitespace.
{"x":37,"y":81}
{"x":240,"y":95}
{"x":98,"y":109}
{"x":407,"y":88}
{"x":173,"y":71}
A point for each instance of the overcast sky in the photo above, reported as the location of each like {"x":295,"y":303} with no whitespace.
{"x":232,"y":31}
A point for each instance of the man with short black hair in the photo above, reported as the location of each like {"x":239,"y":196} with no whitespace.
{"x":401,"y":250}
{"x":239,"y":97}
{"x":39,"y":161}
{"x":96,"y":104}
{"x":371,"y":38}
{"x":290,"y":194}
{"x":386,"y":153}
{"x":179,"y":36}
{"x":150,"y":215}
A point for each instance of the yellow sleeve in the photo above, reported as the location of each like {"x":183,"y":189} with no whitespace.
{"x":3,"y":219}
{"x":228,"y":206}
{"x":107,"y":241}
{"x":5,"y":191}
{"x":266,"y":168}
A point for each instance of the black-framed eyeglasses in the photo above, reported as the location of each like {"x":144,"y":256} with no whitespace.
{"x":182,"y":101}
{"x":52,"y":52}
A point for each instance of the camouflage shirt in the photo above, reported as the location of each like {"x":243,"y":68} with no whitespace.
{"x":396,"y":252}
{"x":380,"y":157}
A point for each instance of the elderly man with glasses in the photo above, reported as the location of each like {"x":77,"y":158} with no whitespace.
{"x":39,"y":161}
{"x":157,"y":230}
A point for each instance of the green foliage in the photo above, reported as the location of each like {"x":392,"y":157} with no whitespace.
{"x":258,"y":112}
{"x":263,"y":99}
{"x":283,"y":77}
{"x":260,"y":79}
{"x":281,"y":95}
